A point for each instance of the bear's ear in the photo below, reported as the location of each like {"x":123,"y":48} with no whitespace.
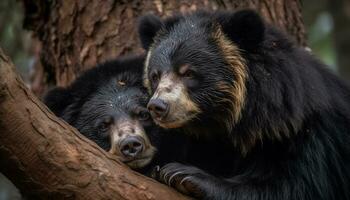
{"x":171,"y":21}
{"x":246,"y":28}
{"x":57,"y":99}
{"x":148,"y":27}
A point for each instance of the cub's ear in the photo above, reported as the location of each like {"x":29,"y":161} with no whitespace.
{"x":245,"y":28}
{"x":57,"y":99}
{"x":148,"y":27}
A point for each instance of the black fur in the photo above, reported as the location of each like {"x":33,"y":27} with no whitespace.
{"x":245,"y":28}
{"x":296,"y":111}
{"x":148,"y":27}
{"x":86,"y":102}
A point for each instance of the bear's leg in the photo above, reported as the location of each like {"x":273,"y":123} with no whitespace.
{"x":199,"y":184}
{"x":193,"y":181}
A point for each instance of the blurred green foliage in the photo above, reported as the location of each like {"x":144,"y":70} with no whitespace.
{"x":15,"y":41}
{"x":319,"y":26}
{"x":320,"y":39}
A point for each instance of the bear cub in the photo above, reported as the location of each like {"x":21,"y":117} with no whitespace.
{"x":107,"y":104}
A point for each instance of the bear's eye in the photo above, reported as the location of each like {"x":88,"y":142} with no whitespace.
{"x":103,"y":127}
{"x":105,"y":124}
{"x":188,"y":74}
{"x":143,"y":116}
{"x":185,"y":71}
{"x":154,"y":77}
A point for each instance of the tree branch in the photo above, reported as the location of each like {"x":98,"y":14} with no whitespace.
{"x":47,"y":158}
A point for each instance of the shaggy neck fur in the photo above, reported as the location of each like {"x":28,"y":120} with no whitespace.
{"x":236,"y":91}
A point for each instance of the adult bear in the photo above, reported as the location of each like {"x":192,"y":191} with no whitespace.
{"x":267,"y":119}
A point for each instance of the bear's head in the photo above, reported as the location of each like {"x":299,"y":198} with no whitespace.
{"x":116,"y":118}
{"x":107,"y":104}
{"x":195,"y":65}
{"x":226,"y":72}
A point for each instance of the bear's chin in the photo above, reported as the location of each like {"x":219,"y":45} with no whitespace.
{"x":177,"y":121}
{"x":139,"y":163}
{"x":142,"y":160}
{"x":171,"y":124}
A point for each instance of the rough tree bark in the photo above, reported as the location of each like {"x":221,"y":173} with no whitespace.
{"x":78,"y":34}
{"x":48,"y":159}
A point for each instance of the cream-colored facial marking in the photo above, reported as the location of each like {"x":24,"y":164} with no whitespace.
{"x":122,"y":130}
{"x":181,"y":108}
{"x":232,"y":55}
{"x":146,"y":82}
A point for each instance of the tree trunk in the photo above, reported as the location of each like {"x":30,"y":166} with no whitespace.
{"x":48,"y":159}
{"x":77,"y":35}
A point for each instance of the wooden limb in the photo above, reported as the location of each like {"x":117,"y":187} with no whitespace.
{"x":48,"y":159}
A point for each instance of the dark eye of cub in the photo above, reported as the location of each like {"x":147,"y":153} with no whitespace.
{"x":105,"y":124}
{"x":143,"y":116}
{"x":103,"y":127}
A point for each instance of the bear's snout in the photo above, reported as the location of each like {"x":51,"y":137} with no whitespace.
{"x":158,"y":108}
{"x":132,"y":146}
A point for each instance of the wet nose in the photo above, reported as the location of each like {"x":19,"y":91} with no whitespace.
{"x":131,"y":146}
{"x":158,"y":107}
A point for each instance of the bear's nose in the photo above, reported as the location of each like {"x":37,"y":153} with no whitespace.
{"x":132,"y":146}
{"x":158,"y":107}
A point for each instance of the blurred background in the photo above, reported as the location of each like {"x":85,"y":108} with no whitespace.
{"x":327,"y":25}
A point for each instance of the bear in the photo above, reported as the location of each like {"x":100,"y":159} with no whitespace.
{"x":107,"y":104}
{"x":265,"y":118}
